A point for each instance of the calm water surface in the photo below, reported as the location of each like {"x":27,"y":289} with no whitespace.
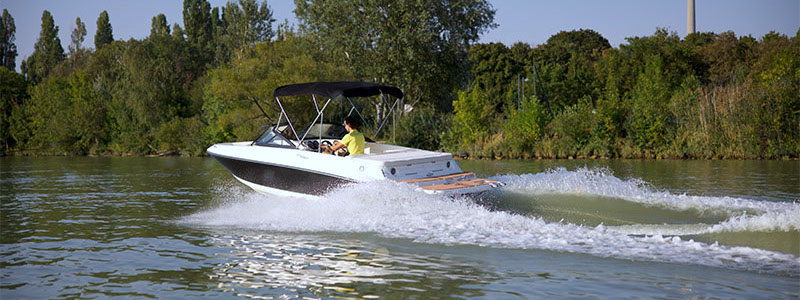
{"x":184,"y":228}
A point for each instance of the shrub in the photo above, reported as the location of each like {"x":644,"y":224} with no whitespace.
{"x":525,"y":126}
{"x":648,"y":119}
{"x":572,"y":129}
{"x":471,"y":119}
{"x":183,"y":135}
{"x":422,"y":128}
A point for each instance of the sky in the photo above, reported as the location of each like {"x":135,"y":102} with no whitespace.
{"x":528,"y":21}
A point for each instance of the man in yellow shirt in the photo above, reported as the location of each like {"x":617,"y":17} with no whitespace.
{"x":353,"y":140}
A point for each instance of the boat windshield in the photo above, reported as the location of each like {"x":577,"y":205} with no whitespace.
{"x":328,"y":130}
{"x":273,"y":138}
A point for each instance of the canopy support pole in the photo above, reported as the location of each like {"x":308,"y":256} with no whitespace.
{"x":283,"y":112}
{"x":319,"y":114}
{"x":394,"y":129}
{"x":359,"y":114}
{"x":387,"y":119}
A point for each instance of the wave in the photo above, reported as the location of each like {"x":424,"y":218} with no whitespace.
{"x":398,"y":211}
{"x":745,"y":214}
{"x":602,"y":182}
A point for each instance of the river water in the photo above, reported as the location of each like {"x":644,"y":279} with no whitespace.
{"x":84,"y":227}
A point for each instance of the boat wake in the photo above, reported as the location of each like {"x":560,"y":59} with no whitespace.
{"x":395,"y":210}
{"x":743,"y":215}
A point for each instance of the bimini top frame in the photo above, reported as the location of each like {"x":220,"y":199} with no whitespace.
{"x":333,"y":90}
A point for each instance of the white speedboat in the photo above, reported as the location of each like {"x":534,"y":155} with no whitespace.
{"x":282,"y":162}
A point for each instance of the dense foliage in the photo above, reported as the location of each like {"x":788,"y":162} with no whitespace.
{"x":182,"y":89}
{"x":420,"y":46}
{"x":706,"y":96}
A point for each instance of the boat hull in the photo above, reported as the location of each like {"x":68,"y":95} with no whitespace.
{"x":276,"y":179}
{"x":286,"y":171}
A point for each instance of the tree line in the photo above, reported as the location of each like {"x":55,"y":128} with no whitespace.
{"x":181,"y":89}
{"x":705,"y":96}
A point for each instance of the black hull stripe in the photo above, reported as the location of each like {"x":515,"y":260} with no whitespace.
{"x":282,"y":178}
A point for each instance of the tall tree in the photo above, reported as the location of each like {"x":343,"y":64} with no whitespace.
{"x":160,"y":27}
{"x":177,"y":32}
{"x":566,"y":65}
{"x":198,"y":23}
{"x":78,"y":34}
{"x":259,"y":21}
{"x":105,"y":34}
{"x":47,"y":52}
{"x":245,"y":24}
{"x":494,"y":71}
{"x":420,"y":45}
{"x":221,"y":53}
{"x":8,"y":49}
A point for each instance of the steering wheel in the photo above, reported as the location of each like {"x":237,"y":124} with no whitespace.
{"x":341,"y":152}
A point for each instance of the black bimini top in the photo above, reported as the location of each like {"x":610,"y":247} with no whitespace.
{"x":335,"y":89}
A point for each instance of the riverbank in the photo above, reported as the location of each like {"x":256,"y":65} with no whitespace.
{"x":549,"y":148}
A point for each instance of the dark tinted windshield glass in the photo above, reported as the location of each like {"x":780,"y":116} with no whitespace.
{"x":274,"y":139}
{"x":329,"y":131}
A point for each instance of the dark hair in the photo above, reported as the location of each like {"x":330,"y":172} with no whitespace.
{"x":352,"y":121}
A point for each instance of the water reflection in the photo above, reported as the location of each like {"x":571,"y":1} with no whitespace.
{"x":319,"y":266}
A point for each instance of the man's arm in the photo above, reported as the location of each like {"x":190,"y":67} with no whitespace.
{"x":336,"y":146}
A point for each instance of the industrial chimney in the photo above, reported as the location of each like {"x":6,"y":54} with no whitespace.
{"x":689,"y":17}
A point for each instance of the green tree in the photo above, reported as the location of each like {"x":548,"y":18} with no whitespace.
{"x":12,"y":92}
{"x":88,"y":115}
{"x":198,"y":26}
{"x":422,"y":128}
{"x":495,"y":71}
{"x":696,"y":45}
{"x":525,"y":126}
{"x":159,"y":27}
{"x":104,"y":34}
{"x":648,"y":117}
{"x":728,"y":57}
{"x":228,"y":108}
{"x":613,"y":74}
{"x":47,"y":52}
{"x":177,"y":32}
{"x":66,"y":115}
{"x":78,"y":34}
{"x":150,"y":88}
{"x":777,"y":97}
{"x":566,"y":64}
{"x":243,"y":25}
{"x":472,"y":116}
{"x":419,"y":45}
{"x":678,"y":61}
{"x":8,"y":49}
{"x":572,"y":129}
{"x":48,"y":111}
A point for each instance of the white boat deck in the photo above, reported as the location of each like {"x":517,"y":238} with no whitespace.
{"x":404,"y":155}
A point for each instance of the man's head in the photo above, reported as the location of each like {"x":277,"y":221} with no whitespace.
{"x":351,"y":121}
